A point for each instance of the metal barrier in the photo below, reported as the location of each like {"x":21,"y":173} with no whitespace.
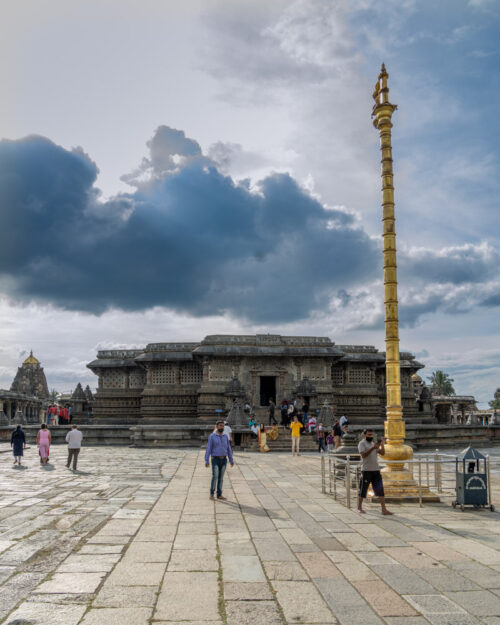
{"x":434,"y":471}
{"x":340,"y":477}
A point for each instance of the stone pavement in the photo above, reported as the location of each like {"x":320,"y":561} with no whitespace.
{"x":133,"y":539}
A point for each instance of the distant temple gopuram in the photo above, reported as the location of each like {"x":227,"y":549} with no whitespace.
{"x":168,"y":382}
{"x":28,"y":394}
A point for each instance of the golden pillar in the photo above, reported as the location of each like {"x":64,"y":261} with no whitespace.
{"x":398,"y":481}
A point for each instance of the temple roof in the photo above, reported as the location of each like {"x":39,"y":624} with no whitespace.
{"x":78,"y":393}
{"x":31,"y":360}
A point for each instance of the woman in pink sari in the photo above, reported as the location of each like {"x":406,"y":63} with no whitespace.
{"x":43,"y":440}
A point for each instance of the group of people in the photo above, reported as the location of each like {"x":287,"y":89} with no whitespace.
{"x":43,"y":440}
{"x":219,"y":451}
{"x":59,"y":415}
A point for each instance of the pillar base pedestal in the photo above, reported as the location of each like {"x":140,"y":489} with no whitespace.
{"x":401,"y":487}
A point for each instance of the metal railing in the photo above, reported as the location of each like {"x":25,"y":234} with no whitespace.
{"x":435,"y":472}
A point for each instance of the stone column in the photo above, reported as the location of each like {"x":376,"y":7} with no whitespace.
{"x":253,"y":391}
{"x":298,"y":364}
{"x":177,"y":373}
{"x":127,"y":378}
{"x":282,"y":392}
{"x":205,"y":368}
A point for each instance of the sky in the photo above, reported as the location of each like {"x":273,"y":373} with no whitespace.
{"x":175,"y":169}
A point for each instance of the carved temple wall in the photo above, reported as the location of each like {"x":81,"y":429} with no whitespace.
{"x":166,"y":382}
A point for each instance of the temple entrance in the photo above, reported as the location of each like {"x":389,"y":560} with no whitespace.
{"x":443,"y":413}
{"x":267,"y":389}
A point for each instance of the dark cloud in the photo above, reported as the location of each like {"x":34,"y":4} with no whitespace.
{"x":187,"y":237}
{"x":454,"y":265}
{"x":492,"y":301}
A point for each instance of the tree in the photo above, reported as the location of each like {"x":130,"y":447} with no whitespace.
{"x":495,"y":403}
{"x":441,"y":383}
{"x":54,"y":395}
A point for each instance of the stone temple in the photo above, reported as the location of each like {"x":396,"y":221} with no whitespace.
{"x":188,"y":382}
{"x":28,"y":393}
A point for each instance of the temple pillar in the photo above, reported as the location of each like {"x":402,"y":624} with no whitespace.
{"x":127,"y":378}
{"x":177,"y":373}
{"x":298,"y":364}
{"x":253,"y":391}
{"x":282,"y":393}
{"x":205,"y":368}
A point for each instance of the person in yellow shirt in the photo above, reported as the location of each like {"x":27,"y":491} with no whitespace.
{"x":296,"y":426}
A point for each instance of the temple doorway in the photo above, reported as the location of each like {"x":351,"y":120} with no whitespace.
{"x":267,"y":389}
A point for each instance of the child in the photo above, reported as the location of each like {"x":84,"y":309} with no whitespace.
{"x":329,"y":441}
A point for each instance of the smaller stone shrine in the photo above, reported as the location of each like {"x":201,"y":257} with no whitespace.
{"x":28,"y":395}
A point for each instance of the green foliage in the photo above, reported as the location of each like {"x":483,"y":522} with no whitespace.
{"x":495,"y":403}
{"x":54,"y":395}
{"x":441,"y":383}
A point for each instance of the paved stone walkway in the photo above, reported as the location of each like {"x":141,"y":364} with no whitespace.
{"x":133,"y":539}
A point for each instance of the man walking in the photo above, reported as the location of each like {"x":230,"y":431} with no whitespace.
{"x":368,"y":451}
{"x":74,"y":439}
{"x":296,"y":426}
{"x":219,"y":450}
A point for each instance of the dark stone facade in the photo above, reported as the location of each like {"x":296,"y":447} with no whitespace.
{"x":168,"y":382}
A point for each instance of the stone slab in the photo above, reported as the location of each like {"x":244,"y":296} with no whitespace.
{"x":318,"y":565}
{"x":130,"y":573}
{"x":252,"y":612}
{"x":346,"y":603}
{"x":247,"y":591}
{"x":285,"y":571}
{"x":44,"y":613}
{"x":193,"y":560}
{"x":79,"y":583}
{"x":477,"y":602}
{"x":172,"y":604}
{"x":117,"y":616}
{"x":434,"y":604}
{"x":110,"y":596}
{"x":383,"y":599}
{"x":242,"y":569}
{"x":301,"y":602}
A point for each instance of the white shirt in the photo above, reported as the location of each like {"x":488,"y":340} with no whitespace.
{"x":228,"y":431}
{"x":343,"y":419}
{"x":74,"y":439}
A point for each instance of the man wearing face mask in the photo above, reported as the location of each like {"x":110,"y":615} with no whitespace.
{"x":368,"y":451}
{"x":219,"y":449}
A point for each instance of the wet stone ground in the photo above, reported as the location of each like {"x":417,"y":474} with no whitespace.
{"x":133,"y":539}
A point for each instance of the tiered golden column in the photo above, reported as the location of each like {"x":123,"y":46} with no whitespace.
{"x":398,"y":481}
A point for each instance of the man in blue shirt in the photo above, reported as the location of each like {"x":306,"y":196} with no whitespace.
{"x":219,"y":449}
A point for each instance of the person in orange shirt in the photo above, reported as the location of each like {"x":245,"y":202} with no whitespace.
{"x":296,"y":426}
